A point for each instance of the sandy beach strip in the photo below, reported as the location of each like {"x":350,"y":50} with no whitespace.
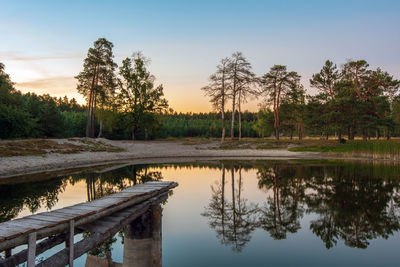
{"x":139,"y":152}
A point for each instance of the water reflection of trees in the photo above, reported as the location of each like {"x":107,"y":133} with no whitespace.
{"x":105,"y":183}
{"x":355,"y":203}
{"x":233,"y":220}
{"x":44,"y":194}
{"x":282,"y":212}
{"x":14,"y":197}
{"x":351,"y":207}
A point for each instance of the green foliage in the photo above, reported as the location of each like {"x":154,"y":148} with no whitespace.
{"x":30,"y":115}
{"x":265,"y":122}
{"x":202,"y":125}
{"x":139,"y":98}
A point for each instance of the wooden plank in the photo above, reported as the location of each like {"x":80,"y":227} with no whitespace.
{"x":85,"y":207}
{"x":123,"y":194}
{"x":103,"y":202}
{"x":113,"y":218}
{"x":28,"y":223}
{"x":39,"y":223}
{"x":141,"y":189}
{"x":122,"y":213}
{"x":48,"y":217}
{"x":61,"y":216}
{"x":94,"y":228}
{"x":31,"y":249}
{"x":10,"y":231}
{"x":65,"y":216}
{"x":74,"y":211}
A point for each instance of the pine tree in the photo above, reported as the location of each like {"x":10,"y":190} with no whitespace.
{"x":275,"y":84}
{"x":96,"y":82}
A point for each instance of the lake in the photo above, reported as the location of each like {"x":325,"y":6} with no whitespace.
{"x":241,"y":213}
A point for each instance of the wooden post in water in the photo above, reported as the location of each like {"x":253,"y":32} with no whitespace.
{"x":156,"y":251}
{"x":31,"y":249}
{"x":7,"y":253}
{"x":71,"y":242}
{"x":142,"y":242}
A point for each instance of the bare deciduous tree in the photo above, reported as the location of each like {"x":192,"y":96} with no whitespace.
{"x":240,"y":76}
{"x":217,"y":90}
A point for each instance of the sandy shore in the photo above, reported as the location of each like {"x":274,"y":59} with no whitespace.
{"x":137,"y":152}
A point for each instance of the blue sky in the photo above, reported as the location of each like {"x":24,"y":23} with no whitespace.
{"x":43,"y":43}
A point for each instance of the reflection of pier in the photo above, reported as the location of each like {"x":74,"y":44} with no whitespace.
{"x":131,"y":208}
{"x":142,"y":243}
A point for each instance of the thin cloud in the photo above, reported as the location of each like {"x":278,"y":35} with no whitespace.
{"x":16,"y":56}
{"x":53,"y":85}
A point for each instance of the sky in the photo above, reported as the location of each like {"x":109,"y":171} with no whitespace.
{"x":43,"y":43}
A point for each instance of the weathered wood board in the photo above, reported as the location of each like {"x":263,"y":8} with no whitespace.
{"x":15,"y":232}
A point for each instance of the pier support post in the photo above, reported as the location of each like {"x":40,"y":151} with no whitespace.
{"x":157,"y":235}
{"x":7,"y":253}
{"x":71,"y":235}
{"x":31,"y":249}
{"x":142,"y":242}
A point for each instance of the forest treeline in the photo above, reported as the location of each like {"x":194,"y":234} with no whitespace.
{"x":125,"y":103}
{"x":352,"y":99}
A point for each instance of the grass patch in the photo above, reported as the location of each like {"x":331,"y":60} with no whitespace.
{"x":374,"y":147}
{"x":36,"y":147}
{"x":96,"y":146}
{"x":255,"y":143}
{"x":197,"y":141}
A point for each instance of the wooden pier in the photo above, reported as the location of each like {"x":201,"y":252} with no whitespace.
{"x":103,"y":218}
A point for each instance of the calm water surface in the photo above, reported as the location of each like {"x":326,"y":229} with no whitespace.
{"x":250,"y":213}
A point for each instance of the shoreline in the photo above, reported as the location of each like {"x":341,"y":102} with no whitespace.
{"x":147,"y":152}
{"x":136,"y":152}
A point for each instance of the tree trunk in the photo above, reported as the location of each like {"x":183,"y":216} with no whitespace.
{"x":90,"y":105}
{"x":223,"y":126}
{"x":377,"y":134}
{"x":134,"y":133}
{"x":234,"y":91}
{"x":326,"y":135}
{"x":300,"y":132}
{"x":89,"y":117}
{"x":94,"y":106}
{"x":233,"y":116}
{"x":101,"y":128}
{"x":352,"y":133}
{"x":223,"y":106}
{"x":340,"y":135}
{"x":277,"y":114}
{"x":240,"y":117}
{"x":364,"y":135}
